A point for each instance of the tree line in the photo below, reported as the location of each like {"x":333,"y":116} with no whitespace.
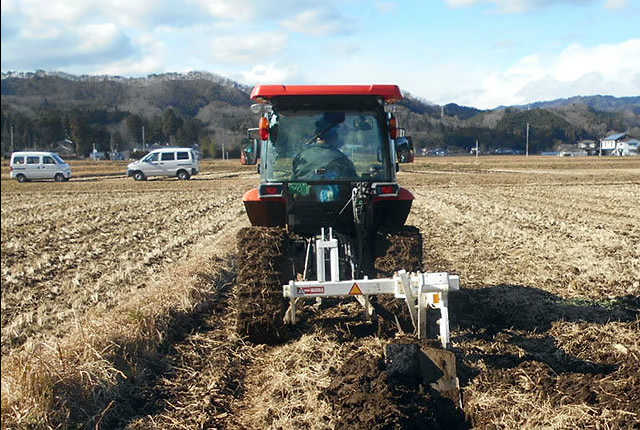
{"x":114,"y":131}
{"x":136,"y":113}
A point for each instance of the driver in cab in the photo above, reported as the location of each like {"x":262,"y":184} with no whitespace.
{"x":323,"y":160}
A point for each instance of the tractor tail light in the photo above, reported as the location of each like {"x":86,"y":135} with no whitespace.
{"x":393,"y":127}
{"x":386,"y":189}
{"x":271,"y":190}
{"x":264,"y":128}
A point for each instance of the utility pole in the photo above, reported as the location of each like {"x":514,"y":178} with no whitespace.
{"x":527,"y":147}
{"x":600,"y":147}
{"x":11,"y":137}
{"x":143,"y":148}
{"x":476,"y":148}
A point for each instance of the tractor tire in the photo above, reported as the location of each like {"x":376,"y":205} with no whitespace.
{"x":396,"y":250}
{"x":259,"y":304}
{"x":399,"y":249}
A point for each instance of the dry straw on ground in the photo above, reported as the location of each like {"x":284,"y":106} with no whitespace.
{"x":546,"y":328}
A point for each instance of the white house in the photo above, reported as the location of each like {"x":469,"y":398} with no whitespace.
{"x":610,"y":143}
{"x":629,"y":146}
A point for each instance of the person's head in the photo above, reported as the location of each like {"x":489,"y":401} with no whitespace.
{"x":329,"y":137}
{"x":326,"y":127}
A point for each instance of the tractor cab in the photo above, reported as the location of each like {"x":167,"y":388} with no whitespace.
{"x":317,"y":143}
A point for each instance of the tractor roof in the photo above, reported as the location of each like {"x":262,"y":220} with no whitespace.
{"x":262,"y":93}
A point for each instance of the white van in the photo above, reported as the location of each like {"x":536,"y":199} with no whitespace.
{"x":180,"y":162}
{"x":28,"y":165}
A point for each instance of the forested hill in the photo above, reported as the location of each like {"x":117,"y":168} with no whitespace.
{"x":199,"y":107}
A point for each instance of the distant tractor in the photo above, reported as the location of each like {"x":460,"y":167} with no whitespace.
{"x":404,"y":147}
{"x":249,"y":148}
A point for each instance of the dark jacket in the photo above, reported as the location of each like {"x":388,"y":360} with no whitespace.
{"x":322,"y":162}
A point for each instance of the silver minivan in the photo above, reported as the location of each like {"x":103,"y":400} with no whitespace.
{"x":28,"y":165}
{"x":179,"y":162}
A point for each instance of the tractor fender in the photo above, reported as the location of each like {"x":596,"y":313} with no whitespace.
{"x":403,"y":194}
{"x":391,"y":212}
{"x":264,"y":211}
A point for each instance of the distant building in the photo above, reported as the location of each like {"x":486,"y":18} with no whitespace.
{"x":629,"y":146}
{"x":66,"y":148}
{"x":97,"y":155}
{"x":119,"y":155}
{"x":619,"y":144}
{"x":609,"y":144}
{"x":588,"y":145}
{"x":569,"y":150}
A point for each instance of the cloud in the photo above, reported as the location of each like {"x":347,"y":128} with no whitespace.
{"x":269,"y":74}
{"x":151,"y":58}
{"x":255,"y":10}
{"x":318,"y":22}
{"x":79,"y":46}
{"x":611,"y":69}
{"x":30,"y":27}
{"x":140,"y":13}
{"x":231,"y":10}
{"x":246,"y":48}
{"x":517,"y":6}
{"x":386,"y":6}
{"x":616,"y":4}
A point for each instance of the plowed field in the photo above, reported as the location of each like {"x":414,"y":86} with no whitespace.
{"x":118,"y":305}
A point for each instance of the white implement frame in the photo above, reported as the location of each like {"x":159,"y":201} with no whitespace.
{"x":421,"y":291}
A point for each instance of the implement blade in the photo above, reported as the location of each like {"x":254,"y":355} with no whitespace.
{"x":438,"y":366}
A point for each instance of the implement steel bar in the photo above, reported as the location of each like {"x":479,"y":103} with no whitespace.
{"x":420,"y":291}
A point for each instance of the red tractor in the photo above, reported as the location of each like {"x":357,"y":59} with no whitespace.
{"x":328,"y":218}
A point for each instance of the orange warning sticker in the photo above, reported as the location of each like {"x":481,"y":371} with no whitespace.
{"x":355,"y":290}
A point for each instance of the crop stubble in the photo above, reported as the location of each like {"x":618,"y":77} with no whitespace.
{"x":546,"y":329}
{"x":91,"y":245}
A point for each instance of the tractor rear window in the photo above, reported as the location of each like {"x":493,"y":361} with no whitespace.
{"x":326,"y":146}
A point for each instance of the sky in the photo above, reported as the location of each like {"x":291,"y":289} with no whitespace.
{"x":479,"y":53}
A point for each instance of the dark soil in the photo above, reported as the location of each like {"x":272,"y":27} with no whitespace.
{"x":259,"y":304}
{"x":366,"y":396}
{"x":396,"y":250}
{"x":508,"y":343}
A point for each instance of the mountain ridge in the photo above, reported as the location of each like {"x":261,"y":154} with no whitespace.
{"x":206,"y":108}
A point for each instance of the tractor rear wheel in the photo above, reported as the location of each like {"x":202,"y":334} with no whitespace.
{"x":396,"y":250}
{"x":259,"y":304}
